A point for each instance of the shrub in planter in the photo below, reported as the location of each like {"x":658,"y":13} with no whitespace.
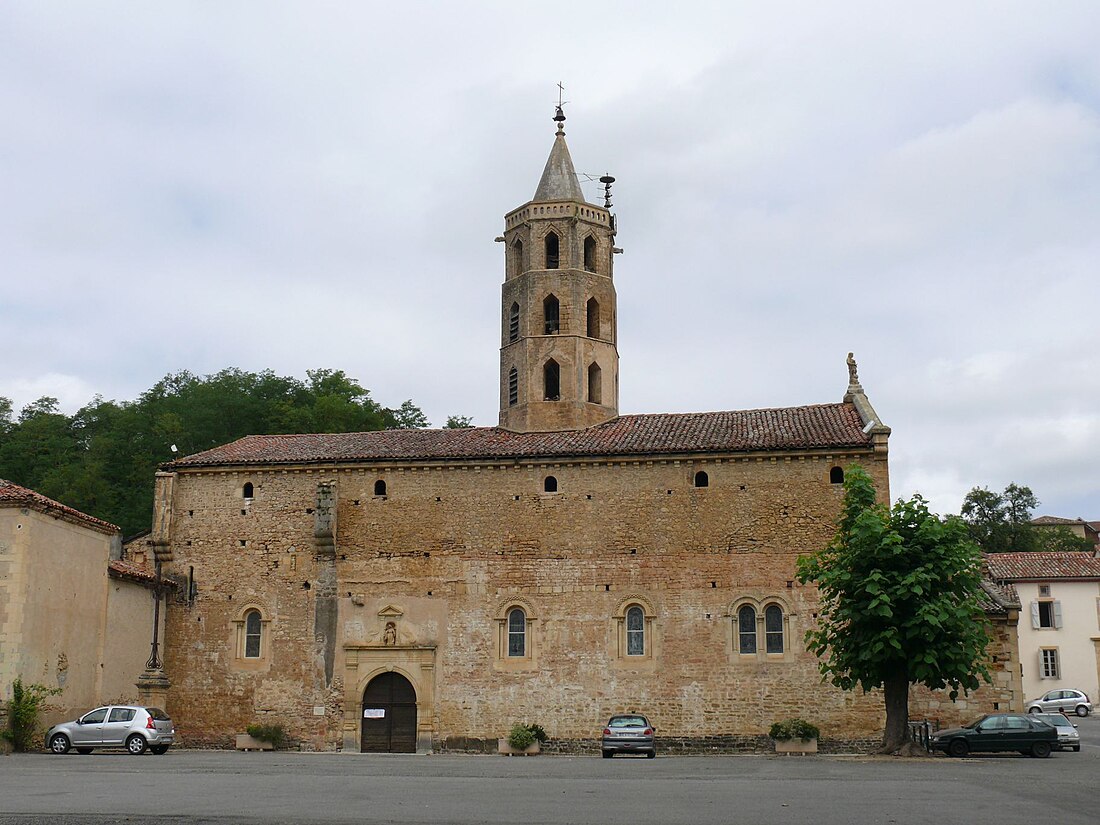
{"x":522,"y":737}
{"x":268,"y":733}
{"x":793,"y":729}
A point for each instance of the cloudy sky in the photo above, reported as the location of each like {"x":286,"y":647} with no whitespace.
{"x":318,"y":184}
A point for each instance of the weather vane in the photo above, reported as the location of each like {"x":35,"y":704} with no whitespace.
{"x":559,"y":115}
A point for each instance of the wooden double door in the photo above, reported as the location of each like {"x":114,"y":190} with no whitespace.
{"x":389,"y":715}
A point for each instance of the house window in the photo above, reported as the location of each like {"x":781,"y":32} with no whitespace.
{"x":253,"y":629}
{"x":836,"y":475}
{"x":773,"y":629}
{"x":1048,"y":663}
{"x":635,"y":631}
{"x":513,"y":323}
{"x":595,"y":391}
{"x":380,"y":487}
{"x":593,"y":316}
{"x":590,"y":254}
{"x":1046,"y":614}
{"x":551,"y":381}
{"x":550,"y":314}
{"x":746,"y":629}
{"x":517,"y":632}
{"x":702,"y":479}
{"x":513,"y":387}
{"x":248,"y":490}
{"x":550,"y":484}
{"x":551,"y":251}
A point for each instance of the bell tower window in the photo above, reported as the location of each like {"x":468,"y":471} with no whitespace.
{"x":517,"y":256}
{"x":551,"y":381}
{"x":595,"y":395}
{"x":550,"y":314}
{"x":513,"y":387}
{"x":593,"y":315}
{"x":552,"y":251}
{"x":513,"y":323}
{"x":590,"y":254}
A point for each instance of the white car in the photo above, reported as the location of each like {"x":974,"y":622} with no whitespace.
{"x":1061,"y":701}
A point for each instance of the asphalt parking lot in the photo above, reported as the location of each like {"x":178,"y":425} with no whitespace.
{"x":289,"y":787}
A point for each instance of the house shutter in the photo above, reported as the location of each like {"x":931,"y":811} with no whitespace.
{"x":1035,"y":615}
{"x":1057,"y":614}
{"x":1041,"y":670}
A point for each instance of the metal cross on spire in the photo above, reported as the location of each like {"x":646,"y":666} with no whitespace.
{"x":559,"y":115}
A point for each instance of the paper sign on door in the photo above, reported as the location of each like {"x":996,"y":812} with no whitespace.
{"x":374,"y":713}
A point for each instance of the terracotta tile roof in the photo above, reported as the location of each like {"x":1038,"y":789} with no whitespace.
{"x":128,"y":570}
{"x":1042,"y":566}
{"x":12,"y":495}
{"x":824,"y":426}
{"x":998,"y":598}
{"x":1043,"y":521}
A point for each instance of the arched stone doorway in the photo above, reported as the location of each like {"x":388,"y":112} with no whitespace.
{"x":389,"y":715}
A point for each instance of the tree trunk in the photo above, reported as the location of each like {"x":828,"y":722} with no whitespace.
{"x":896,"y":737}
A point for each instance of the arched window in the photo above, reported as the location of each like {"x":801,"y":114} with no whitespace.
{"x":593,"y":313}
{"x":836,"y":476}
{"x":595,"y":391}
{"x":550,"y":484}
{"x":513,"y":387}
{"x":513,"y":323}
{"x":590,"y":254}
{"x":253,"y":630}
{"x":551,"y":381}
{"x":248,"y":490}
{"x":746,"y":629}
{"x":517,"y":632}
{"x":773,"y":628}
{"x":517,"y":256}
{"x":702,"y":479}
{"x":550,"y":314}
{"x":380,"y":487}
{"x":635,"y":631}
{"x":551,"y":251}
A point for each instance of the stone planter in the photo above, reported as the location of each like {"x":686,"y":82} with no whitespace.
{"x":799,"y":746}
{"x":505,"y":748}
{"x":247,"y":743}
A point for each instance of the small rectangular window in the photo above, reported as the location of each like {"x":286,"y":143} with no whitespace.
{"x":1049,"y":663}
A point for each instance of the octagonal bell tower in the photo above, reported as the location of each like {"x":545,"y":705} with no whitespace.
{"x":559,"y":363}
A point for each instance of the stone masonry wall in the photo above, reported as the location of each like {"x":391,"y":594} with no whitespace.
{"x":451,"y":548}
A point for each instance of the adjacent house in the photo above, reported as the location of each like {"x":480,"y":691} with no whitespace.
{"x":74,"y":614}
{"x":1059,"y":632}
{"x":1077,"y":526}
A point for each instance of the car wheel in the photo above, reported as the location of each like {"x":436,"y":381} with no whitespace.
{"x":84,"y":751}
{"x":59,"y":743}
{"x":136,"y":744}
{"x":1034,"y":710}
{"x":607,"y":754}
{"x":958,"y":747}
{"x":1082,"y":710}
{"x":158,"y":749}
{"x":651,"y":755}
{"x":1040,"y":750}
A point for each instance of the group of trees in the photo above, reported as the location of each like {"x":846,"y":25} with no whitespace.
{"x":1001,"y":523}
{"x":102,"y":458}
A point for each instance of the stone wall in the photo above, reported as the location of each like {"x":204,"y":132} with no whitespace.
{"x":451,"y":548}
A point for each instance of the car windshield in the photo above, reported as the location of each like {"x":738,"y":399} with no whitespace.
{"x":1056,"y":719}
{"x":627,"y":722}
{"x":976,"y":722}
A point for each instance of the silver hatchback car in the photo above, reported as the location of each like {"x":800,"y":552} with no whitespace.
{"x":1061,"y":701}
{"x":114,"y":726}
{"x":628,"y":733}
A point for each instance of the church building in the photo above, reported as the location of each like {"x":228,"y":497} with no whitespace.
{"x":415,"y":590}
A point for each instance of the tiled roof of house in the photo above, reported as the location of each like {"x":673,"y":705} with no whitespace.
{"x":824,"y":426}
{"x":129,"y":570}
{"x":12,"y":495}
{"x":1042,"y":566}
{"x":998,"y":598}
{"x":1044,"y":521}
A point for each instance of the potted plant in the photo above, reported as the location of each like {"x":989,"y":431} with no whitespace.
{"x":261,"y":738}
{"x":523,"y":739}
{"x":794,"y":736}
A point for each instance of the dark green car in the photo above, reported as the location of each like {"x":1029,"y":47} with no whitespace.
{"x":998,"y":732}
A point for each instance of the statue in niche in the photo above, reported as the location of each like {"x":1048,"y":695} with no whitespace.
{"x":389,"y":635}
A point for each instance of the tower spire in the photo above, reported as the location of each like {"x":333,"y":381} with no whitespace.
{"x":559,"y":180}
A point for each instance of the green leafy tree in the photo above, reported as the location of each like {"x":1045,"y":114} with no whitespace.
{"x":899,"y":603}
{"x":999,"y":522}
{"x":1061,"y":540}
{"x":408,"y":417}
{"x":458,"y":422}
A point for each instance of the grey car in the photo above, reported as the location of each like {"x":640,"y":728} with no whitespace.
{"x":1061,"y":701}
{"x":132,"y":727}
{"x":1068,"y":737}
{"x":628,"y":733}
